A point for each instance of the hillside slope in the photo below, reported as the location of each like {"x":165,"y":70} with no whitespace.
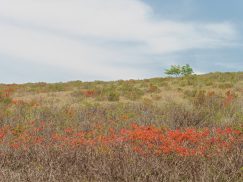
{"x":158,"y":129}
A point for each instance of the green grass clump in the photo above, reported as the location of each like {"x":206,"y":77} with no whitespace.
{"x":113,"y":96}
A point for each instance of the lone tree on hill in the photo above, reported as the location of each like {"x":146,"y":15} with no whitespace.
{"x":186,"y":70}
{"x":177,"y":70}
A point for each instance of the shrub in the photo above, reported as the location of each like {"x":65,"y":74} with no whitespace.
{"x":179,"y":115}
{"x":89,"y":93}
{"x":190,"y":93}
{"x":113,"y":96}
{"x":152,"y":88}
{"x":225,"y":85}
{"x":130,"y":92}
{"x":5,"y":98}
{"x":147,"y":101}
{"x":78,"y":95}
{"x":135,"y":153}
{"x":57,"y":87}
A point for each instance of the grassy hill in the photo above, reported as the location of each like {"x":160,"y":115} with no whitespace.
{"x":41,"y":122}
{"x":212,"y":98}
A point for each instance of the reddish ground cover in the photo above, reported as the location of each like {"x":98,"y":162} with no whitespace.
{"x":144,"y":140}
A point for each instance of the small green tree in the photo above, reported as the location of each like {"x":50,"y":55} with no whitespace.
{"x":177,"y":70}
{"x":174,"y":70}
{"x":186,"y":70}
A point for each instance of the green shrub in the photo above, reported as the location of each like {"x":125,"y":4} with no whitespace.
{"x":57,"y":87}
{"x":130,"y":92}
{"x":6,"y":100}
{"x":113,"y":96}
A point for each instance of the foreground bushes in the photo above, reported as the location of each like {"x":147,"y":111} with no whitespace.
{"x":120,"y":164}
{"x":137,"y":153}
{"x":143,"y":140}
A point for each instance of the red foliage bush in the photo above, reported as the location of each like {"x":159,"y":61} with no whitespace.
{"x":89,"y":93}
{"x":145,"y":140}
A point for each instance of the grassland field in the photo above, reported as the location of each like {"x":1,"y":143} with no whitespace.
{"x":160,"y":129}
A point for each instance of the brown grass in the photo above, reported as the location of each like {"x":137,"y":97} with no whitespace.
{"x":162,"y":102}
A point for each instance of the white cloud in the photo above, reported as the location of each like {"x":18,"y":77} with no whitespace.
{"x":88,"y":35}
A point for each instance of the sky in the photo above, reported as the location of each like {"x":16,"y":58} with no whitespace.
{"x":65,"y":40}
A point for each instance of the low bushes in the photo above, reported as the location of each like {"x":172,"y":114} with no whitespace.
{"x":40,"y":152}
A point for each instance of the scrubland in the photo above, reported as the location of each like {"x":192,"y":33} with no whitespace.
{"x":158,"y":129}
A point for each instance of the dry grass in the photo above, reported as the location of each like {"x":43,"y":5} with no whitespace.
{"x":119,"y":165}
{"x":212,"y":101}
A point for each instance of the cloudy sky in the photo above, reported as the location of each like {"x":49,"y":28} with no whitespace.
{"x":63,"y":40}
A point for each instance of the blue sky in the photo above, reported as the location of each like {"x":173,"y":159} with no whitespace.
{"x":63,"y":40}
